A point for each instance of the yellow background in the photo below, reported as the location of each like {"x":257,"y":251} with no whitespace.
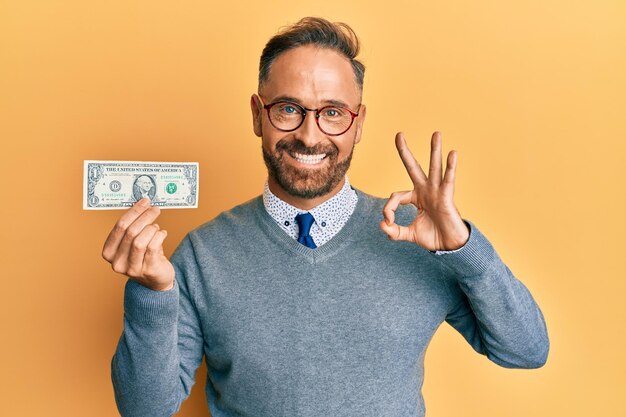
{"x":532,"y":95}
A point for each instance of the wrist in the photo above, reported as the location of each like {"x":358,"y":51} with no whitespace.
{"x":458,"y":237}
{"x":166,"y":287}
{"x":155,"y":286}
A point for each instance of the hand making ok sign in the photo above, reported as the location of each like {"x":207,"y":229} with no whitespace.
{"x":438,"y":224}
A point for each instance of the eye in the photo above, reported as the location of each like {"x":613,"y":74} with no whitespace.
{"x":288,"y":109}
{"x":332,"y":113}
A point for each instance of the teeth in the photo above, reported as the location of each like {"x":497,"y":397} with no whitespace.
{"x":309,"y":159}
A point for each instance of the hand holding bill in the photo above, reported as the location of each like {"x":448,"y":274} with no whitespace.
{"x":438,"y":224}
{"x":135,"y":248}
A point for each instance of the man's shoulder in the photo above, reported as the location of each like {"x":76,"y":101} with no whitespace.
{"x":221,"y":235}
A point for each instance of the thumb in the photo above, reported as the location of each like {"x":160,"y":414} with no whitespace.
{"x":388,"y":225}
{"x":395,"y":231}
{"x":155,"y":262}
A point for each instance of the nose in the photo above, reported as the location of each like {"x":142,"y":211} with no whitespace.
{"x":309,"y":133}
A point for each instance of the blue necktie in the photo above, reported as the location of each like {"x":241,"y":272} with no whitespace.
{"x":305,"y":221}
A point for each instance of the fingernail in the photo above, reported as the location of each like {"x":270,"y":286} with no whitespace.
{"x":144,"y":202}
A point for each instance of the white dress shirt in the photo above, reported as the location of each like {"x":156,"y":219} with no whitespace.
{"x":330,"y":216}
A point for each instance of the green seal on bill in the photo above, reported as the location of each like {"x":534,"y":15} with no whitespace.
{"x":170,"y":188}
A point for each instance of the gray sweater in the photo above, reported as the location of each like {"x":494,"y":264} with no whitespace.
{"x":340,"y":330}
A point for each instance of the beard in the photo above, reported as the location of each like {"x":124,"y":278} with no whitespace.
{"x":306,"y":183}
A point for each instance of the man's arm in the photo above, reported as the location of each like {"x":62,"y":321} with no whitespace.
{"x":160,"y":350}
{"x":161,"y":346}
{"x":493,"y":310}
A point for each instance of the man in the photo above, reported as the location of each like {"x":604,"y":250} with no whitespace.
{"x":312,"y":299}
{"x":144,"y":187}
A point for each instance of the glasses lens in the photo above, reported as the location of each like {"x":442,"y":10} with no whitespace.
{"x":335,"y":120}
{"x":286,"y":116}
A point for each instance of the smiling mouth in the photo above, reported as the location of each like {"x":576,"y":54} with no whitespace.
{"x":308,"y":159}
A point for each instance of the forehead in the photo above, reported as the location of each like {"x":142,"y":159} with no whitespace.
{"x":312,"y":75}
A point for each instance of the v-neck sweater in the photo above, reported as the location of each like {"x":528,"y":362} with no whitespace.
{"x":340,"y":330}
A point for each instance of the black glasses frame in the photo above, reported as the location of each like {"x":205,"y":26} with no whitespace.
{"x":304,"y":112}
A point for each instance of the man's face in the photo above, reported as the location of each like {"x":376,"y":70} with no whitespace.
{"x":144,"y":183}
{"x":313,"y":78}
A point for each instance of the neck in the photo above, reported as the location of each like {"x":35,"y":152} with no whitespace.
{"x":299,"y":202}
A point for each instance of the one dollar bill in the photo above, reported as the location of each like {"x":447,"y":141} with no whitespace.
{"x":111,"y":185}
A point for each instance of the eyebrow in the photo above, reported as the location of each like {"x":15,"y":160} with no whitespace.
{"x":337,"y":103}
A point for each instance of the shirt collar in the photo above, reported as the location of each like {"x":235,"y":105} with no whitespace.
{"x":329,"y":211}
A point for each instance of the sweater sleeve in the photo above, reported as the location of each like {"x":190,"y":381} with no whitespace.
{"x":154,"y":366}
{"x":491,"y":308}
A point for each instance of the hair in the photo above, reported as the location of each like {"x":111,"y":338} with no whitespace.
{"x":314,"y":31}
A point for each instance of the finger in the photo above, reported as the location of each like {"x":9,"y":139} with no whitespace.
{"x":412,"y":166}
{"x":395,"y":199}
{"x":154,"y":253}
{"x":388,"y":225}
{"x":450,"y":175}
{"x":434,"y":170}
{"x":117,"y":233}
{"x":120,"y":259}
{"x":395,"y":231}
{"x":138,"y":249}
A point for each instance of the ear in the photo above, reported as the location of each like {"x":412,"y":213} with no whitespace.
{"x":257,"y":114}
{"x":359,"y":123}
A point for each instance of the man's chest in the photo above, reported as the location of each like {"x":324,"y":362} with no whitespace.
{"x":297,"y":313}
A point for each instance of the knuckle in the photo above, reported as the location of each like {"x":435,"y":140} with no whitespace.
{"x":131,"y":233}
{"x":120,"y":226}
{"x":107,"y":257}
{"x":118,"y":267}
{"x":138,"y":246}
{"x":133,"y":272}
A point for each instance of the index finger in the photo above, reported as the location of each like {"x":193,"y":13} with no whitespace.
{"x":412,"y":166}
{"x":117,"y":233}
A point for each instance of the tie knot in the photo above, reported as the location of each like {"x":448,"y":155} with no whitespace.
{"x":305,"y":220}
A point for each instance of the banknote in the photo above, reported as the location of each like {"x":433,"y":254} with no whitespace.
{"x":111,"y":185}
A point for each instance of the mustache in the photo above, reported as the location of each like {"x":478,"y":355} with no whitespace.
{"x":297,"y":146}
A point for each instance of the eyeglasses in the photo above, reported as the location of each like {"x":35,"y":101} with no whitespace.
{"x":287,"y":116}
